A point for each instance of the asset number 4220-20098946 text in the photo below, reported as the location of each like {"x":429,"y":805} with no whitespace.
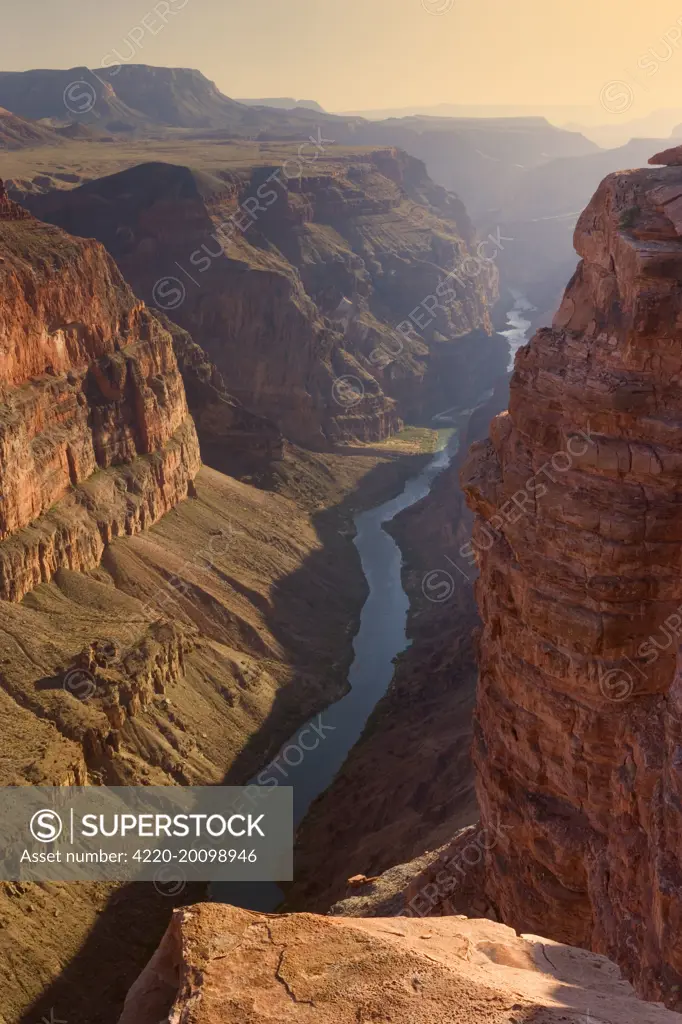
{"x":163,"y":856}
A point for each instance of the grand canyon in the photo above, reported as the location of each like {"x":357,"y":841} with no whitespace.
{"x":339,"y":455}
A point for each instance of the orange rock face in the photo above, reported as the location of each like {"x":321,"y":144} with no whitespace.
{"x":221,"y":965}
{"x":10,"y":210}
{"x":578,"y":741}
{"x":88,"y":382}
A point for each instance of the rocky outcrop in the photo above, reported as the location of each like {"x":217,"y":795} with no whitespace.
{"x":322,"y":298}
{"x":218,"y":965}
{"x":668,"y":157}
{"x":576,"y":491}
{"x":9,"y":210}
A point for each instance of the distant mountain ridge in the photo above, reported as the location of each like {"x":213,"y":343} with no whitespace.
{"x":142,"y":98}
{"x":66,"y":95}
{"x":283,"y":103}
{"x":130,"y":97}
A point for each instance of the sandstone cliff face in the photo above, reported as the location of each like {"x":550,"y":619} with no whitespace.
{"x":90,"y":386}
{"x":578,"y":728}
{"x":296,"y":286}
{"x":221,"y":965}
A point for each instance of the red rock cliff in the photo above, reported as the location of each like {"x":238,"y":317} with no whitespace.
{"x":578,"y":741}
{"x":88,"y":382}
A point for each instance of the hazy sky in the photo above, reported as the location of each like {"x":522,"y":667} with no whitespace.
{"x":353,"y":54}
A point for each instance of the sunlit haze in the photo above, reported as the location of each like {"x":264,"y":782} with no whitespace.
{"x":373,"y":54}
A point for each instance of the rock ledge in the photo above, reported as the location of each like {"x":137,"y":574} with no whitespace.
{"x":221,"y":965}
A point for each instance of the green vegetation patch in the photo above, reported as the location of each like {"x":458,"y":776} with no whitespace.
{"x":629,"y":218}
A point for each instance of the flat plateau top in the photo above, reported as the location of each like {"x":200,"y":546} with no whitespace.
{"x":86,"y":160}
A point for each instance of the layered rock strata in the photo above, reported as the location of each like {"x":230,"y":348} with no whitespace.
{"x":579,"y":538}
{"x":324,"y":298}
{"x":95,"y":436}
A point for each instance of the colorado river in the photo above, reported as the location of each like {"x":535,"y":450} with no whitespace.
{"x":381,"y":636}
{"x":517,"y":334}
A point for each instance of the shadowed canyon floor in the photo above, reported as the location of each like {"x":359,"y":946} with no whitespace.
{"x":407,"y":785}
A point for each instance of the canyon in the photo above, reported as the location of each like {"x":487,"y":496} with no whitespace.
{"x":200,"y":398}
{"x":419,"y":734}
{"x":165,"y":622}
{"x":343,"y":264}
{"x":160,"y":622}
{"x":519,"y":176}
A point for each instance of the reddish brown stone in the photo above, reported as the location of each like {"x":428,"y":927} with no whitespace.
{"x":578,"y":734}
{"x":10,"y":210}
{"x":670,"y":157}
{"x":221,"y":965}
{"x":88,"y":382}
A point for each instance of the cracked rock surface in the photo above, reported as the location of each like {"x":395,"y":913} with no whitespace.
{"x":218,"y":964}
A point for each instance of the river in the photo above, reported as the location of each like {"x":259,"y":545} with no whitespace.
{"x":517,"y":332}
{"x":380,"y":638}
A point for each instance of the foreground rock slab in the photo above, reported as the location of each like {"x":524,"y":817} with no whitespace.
{"x":221,"y":965}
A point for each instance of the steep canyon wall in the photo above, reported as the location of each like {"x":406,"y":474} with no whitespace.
{"x":92,"y":401}
{"x":301,"y":289}
{"x":578,"y":530}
